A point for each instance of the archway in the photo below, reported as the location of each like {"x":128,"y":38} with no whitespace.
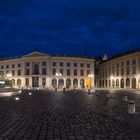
{"x":134,"y":83}
{"x":54,"y":82}
{"x":75,"y":83}
{"x":117,"y":83}
{"x":68,"y":83}
{"x":61,"y":83}
{"x":82,"y":83}
{"x":113,"y":83}
{"x":122,"y":83}
{"x":13,"y":82}
{"x":19,"y":82}
{"x":127,"y":82}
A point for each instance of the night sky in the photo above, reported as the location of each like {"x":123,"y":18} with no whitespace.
{"x":72,"y":27}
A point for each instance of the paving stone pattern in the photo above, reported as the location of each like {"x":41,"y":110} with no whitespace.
{"x":62,"y":116}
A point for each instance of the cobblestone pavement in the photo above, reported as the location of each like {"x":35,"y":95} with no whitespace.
{"x":63,"y":116}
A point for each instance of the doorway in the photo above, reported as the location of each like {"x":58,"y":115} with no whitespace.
{"x":35,"y":81}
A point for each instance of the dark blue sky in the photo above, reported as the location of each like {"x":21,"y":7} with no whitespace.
{"x":76,"y":27}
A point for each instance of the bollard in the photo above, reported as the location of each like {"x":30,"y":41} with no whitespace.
{"x":74,"y":90}
{"x":55,"y":89}
{"x":131,"y":107}
{"x":125,"y":98}
{"x":64,"y":89}
{"x":88,"y":91}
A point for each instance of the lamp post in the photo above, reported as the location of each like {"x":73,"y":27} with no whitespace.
{"x":90,"y":76}
{"x":58,"y":75}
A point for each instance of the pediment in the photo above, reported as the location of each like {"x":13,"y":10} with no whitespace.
{"x":35,"y":54}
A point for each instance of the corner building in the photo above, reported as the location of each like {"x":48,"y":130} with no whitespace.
{"x":40,"y":70}
{"x":122,"y":72}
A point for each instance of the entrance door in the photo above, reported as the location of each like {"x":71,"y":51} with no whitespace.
{"x":35,"y":81}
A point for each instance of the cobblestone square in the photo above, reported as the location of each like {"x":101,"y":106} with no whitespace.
{"x":48,"y":115}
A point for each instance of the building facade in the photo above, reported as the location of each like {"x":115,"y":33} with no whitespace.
{"x":119,"y":72}
{"x":40,"y":70}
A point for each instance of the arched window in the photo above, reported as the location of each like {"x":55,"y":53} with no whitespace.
{"x":122,"y":83}
{"x":109,"y":83}
{"x":54,"y":82}
{"x":117,"y":82}
{"x":82,"y":83}
{"x":113,"y":83}
{"x":36,"y":69}
{"x":134,"y":83}
{"x":61,"y":83}
{"x":75,"y":83}
{"x":127,"y":82}
{"x":18,"y":82}
{"x":68,"y":83}
{"x":13,"y":82}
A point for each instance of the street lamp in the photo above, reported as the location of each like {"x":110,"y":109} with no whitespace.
{"x":58,"y":75}
{"x":90,"y":76}
{"x":9,"y":76}
{"x":112,"y":77}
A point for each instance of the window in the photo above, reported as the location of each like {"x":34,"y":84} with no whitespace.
{"x":44,"y":63}
{"x":88,"y":72}
{"x":128,"y":63}
{"x":61,"y":71}
{"x":75,"y":72}
{"x":13,"y":72}
{"x":54,"y":63}
{"x":117,"y":72}
{"x":122,"y":64}
{"x":13,"y":65}
{"x":19,"y":65}
{"x":88,"y":65}
{"x":7,"y":72}
{"x":54,"y":71}
{"x":117,"y":65}
{"x":128,"y":71}
{"x":36,"y":69}
{"x":27,"y":71}
{"x":28,"y":64}
{"x":68,"y":64}
{"x":19,"y":72}
{"x":134,"y":70}
{"x":133,"y":61}
{"x":44,"y":71}
{"x":68,"y":71}
{"x":75,"y":64}
{"x":82,"y":65}
{"x":27,"y":81}
{"x":43,"y":81}
{"x":61,"y":64}
{"x":122,"y":72}
{"x":82,"y":72}
{"x":2,"y":67}
{"x":7,"y":66}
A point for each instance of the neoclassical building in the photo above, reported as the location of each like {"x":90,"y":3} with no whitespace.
{"x":122,"y":71}
{"x":40,"y":70}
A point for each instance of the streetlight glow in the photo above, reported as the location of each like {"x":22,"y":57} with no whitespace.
{"x":112,"y":77}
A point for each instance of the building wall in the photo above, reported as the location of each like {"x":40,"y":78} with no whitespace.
{"x":125,"y":70}
{"x":22,"y":64}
